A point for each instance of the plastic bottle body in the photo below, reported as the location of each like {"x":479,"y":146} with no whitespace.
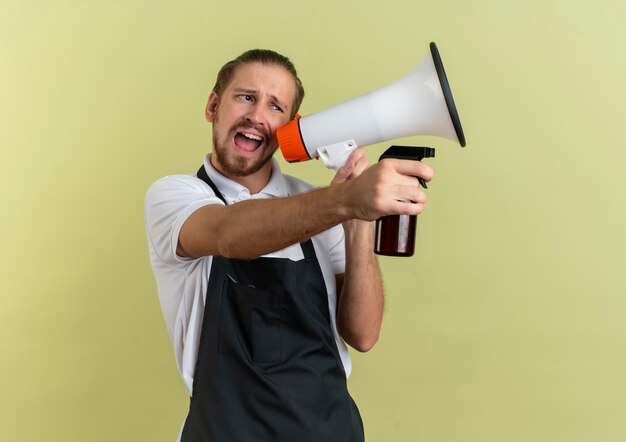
{"x":395,"y":235}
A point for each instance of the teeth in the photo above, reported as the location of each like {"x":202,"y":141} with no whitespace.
{"x":252,"y":136}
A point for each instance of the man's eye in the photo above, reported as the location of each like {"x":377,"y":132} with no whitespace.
{"x":246,"y":97}
{"x":277,"y":108}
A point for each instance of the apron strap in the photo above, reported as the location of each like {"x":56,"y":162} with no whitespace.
{"x":204,"y":177}
{"x":308,"y":250}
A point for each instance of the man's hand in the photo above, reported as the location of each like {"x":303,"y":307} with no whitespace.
{"x":384,"y":188}
{"x":356,"y":164}
{"x":354,"y":167}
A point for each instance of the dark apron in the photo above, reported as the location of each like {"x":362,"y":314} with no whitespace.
{"x":268,"y":367}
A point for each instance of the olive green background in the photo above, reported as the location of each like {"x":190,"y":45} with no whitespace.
{"x":509,"y":323}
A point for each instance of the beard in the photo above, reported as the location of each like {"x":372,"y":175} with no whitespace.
{"x":232,"y":164}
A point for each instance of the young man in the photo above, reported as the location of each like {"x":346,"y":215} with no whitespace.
{"x":262,"y":277}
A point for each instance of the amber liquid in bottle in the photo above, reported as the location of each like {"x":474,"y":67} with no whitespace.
{"x":395,"y":235}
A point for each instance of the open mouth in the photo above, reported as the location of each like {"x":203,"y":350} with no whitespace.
{"x":248,"y":142}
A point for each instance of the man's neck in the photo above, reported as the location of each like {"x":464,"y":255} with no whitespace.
{"x":254,"y":183}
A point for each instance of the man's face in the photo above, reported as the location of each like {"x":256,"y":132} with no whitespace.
{"x":255,"y":103}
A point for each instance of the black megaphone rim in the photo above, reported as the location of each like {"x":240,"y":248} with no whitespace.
{"x":447,"y":93}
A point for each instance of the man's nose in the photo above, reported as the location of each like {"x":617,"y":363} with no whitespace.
{"x":255,"y":114}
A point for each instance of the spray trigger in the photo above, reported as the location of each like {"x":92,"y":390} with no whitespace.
{"x":415,"y":153}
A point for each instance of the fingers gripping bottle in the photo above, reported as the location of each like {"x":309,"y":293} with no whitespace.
{"x":395,"y":234}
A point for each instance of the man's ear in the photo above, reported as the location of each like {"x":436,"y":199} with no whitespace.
{"x":211,"y":107}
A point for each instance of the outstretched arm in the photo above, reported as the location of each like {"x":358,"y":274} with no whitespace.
{"x":253,"y":228}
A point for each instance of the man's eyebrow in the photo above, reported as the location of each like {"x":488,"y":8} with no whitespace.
{"x":242,"y":90}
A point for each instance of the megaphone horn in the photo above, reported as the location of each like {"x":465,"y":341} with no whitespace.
{"x":420,"y":103}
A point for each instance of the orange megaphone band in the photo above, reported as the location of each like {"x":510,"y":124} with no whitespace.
{"x":290,"y":141}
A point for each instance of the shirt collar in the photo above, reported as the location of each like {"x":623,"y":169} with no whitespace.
{"x":233,"y":192}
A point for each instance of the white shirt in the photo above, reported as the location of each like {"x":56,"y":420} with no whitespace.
{"x":182,"y":282}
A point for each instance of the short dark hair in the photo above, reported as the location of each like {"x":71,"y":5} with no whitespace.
{"x":263,"y":56}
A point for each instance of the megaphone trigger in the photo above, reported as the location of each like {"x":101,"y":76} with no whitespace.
{"x":336,"y":155}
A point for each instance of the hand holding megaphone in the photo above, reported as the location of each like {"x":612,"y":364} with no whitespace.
{"x":420,"y":103}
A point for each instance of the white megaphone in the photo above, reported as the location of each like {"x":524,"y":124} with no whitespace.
{"x":420,"y":103}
